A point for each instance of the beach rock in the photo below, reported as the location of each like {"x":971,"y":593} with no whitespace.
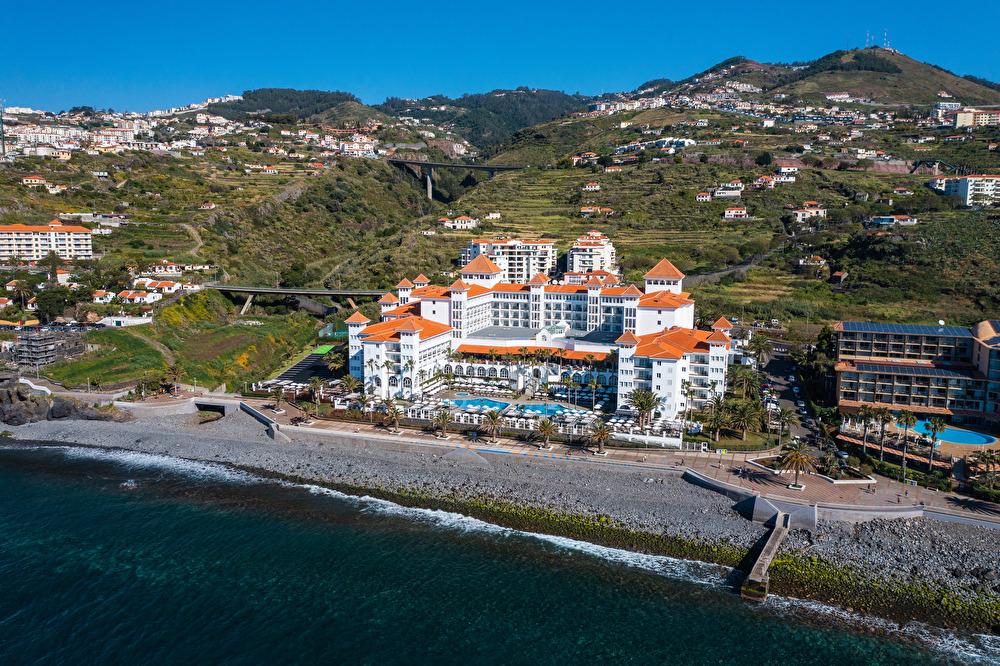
{"x":18,"y":405}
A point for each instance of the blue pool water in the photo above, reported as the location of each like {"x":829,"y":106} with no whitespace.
{"x":481,"y":402}
{"x":547,"y":410}
{"x":954,"y":435}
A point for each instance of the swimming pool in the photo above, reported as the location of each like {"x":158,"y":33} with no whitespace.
{"x":481,"y":402}
{"x":953,"y":435}
{"x":546,"y":410}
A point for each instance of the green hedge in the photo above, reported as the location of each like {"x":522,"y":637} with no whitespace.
{"x":935,"y":479}
{"x":983,"y":492}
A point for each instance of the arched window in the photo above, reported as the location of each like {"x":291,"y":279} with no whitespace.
{"x":407,"y":382}
{"x":481,"y":371}
{"x":536,"y":373}
{"x":393,"y":381}
{"x":504,"y":374}
{"x":447,"y":368}
{"x":493,"y":372}
{"x":378,"y":381}
{"x":577,"y":377}
{"x":458,"y":371}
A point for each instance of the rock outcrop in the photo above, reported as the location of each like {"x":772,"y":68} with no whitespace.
{"x":18,"y":405}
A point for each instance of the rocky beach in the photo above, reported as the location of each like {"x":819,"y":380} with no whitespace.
{"x":918,"y":562}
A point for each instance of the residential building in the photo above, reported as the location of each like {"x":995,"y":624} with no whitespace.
{"x":809,"y":210}
{"x":736,"y":213}
{"x":703,"y":197}
{"x":138,"y":297}
{"x":645,"y":337}
{"x":936,"y":370}
{"x":977,"y":118}
{"x":891,"y":220}
{"x":592,"y":252}
{"x":518,"y":259}
{"x":592,"y":186}
{"x":975,"y":190}
{"x":462,"y":222}
{"x":34,"y":242}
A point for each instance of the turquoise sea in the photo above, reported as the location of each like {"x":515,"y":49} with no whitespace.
{"x":196,"y":564}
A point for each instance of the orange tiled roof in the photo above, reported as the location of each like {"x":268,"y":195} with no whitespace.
{"x":404,"y":284}
{"x":481,"y":264}
{"x":357,"y":318}
{"x":673,"y":343}
{"x":540,"y":278}
{"x":389,"y":330}
{"x":388,"y":297}
{"x":665,"y":270}
{"x":664,"y":299}
{"x":627,"y":338}
{"x":421,"y":279}
{"x":722,"y":322}
{"x":430,"y":291}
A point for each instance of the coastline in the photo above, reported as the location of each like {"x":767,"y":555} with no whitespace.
{"x":633,"y":510}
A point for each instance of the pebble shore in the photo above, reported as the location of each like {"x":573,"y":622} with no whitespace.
{"x":961,"y":558}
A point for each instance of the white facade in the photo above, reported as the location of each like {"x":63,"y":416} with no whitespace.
{"x":520,"y":260}
{"x":34,"y":242}
{"x":483,"y":314}
{"x":977,"y":190}
{"x":592,"y":252}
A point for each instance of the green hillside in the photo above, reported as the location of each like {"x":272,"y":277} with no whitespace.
{"x":883,"y":76}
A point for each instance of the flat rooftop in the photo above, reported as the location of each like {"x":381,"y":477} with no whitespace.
{"x":905,"y":329}
{"x":505,"y":333}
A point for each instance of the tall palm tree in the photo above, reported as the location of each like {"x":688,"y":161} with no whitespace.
{"x":883,"y":417}
{"x":760,"y":348}
{"x":173,"y":376}
{"x":22,"y":292}
{"x":592,"y":383}
{"x":316,"y":391}
{"x":796,"y":457}
{"x":866,"y":415}
{"x":644,"y":402}
{"x":907,"y":419}
{"x":935,"y":427}
{"x":441,"y":421}
{"x":493,"y":424}
{"x":786,"y":418}
{"x":747,"y":382}
{"x":600,"y":433}
{"x":547,"y":429}
{"x":688,"y":391}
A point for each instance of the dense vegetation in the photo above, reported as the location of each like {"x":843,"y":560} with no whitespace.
{"x":490,"y":118}
{"x":300,"y":104}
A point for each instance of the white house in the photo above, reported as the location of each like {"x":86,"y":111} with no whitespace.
{"x":736,"y":213}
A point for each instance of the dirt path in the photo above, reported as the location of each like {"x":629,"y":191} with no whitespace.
{"x":195,"y":236}
{"x":159,"y":346}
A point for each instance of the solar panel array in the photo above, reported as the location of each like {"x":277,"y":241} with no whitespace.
{"x":906,"y":329}
{"x":915,"y":370}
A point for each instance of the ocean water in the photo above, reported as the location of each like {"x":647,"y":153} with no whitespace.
{"x":197,"y":564}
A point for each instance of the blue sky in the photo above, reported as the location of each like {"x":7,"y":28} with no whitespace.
{"x":145,"y":55}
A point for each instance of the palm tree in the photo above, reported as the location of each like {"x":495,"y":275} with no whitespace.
{"x":935,"y":427}
{"x":644,"y":402}
{"x":441,"y":421}
{"x":760,"y":348}
{"x":350,"y":383}
{"x":277,"y":394}
{"x":392,"y":416}
{"x":570,"y":387}
{"x":745,"y":416}
{"x":493,"y":424}
{"x":747,"y":382}
{"x":592,"y":383}
{"x":22,"y":292}
{"x":316,"y":390}
{"x":716,"y":420}
{"x":547,"y":429}
{"x":688,"y":391}
{"x":907,"y":419}
{"x":866,"y":415}
{"x":883,"y":417}
{"x":786,"y":418}
{"x":988,"y":460}
{"x":796,"y":457}
{"x":334,"y":361}
{"x":600,"y":433}
{"x":173,"y":376}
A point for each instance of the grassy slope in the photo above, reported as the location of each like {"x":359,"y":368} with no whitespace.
{"x":121,"y":357}
{"x":917,"y":83}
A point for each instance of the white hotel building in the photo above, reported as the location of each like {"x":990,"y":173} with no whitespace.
{"x":975,"y":190}
{"x":625,"y":337}
{"x":592,"y":252}
{"x":518,"y":259}
{"x":34,"y":242}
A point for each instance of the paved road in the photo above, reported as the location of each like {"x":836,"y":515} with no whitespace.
{"x":778,"y":369}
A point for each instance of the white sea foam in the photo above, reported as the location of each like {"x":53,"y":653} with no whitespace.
{"x":136,"y":460}
{"x":975,"y":649}
{"x":692,"y":571}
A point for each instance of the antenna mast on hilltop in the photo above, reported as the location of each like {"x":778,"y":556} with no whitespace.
{"x":885,"y":40}
{"x":868,"y":38}
{"x":3,"y":140}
